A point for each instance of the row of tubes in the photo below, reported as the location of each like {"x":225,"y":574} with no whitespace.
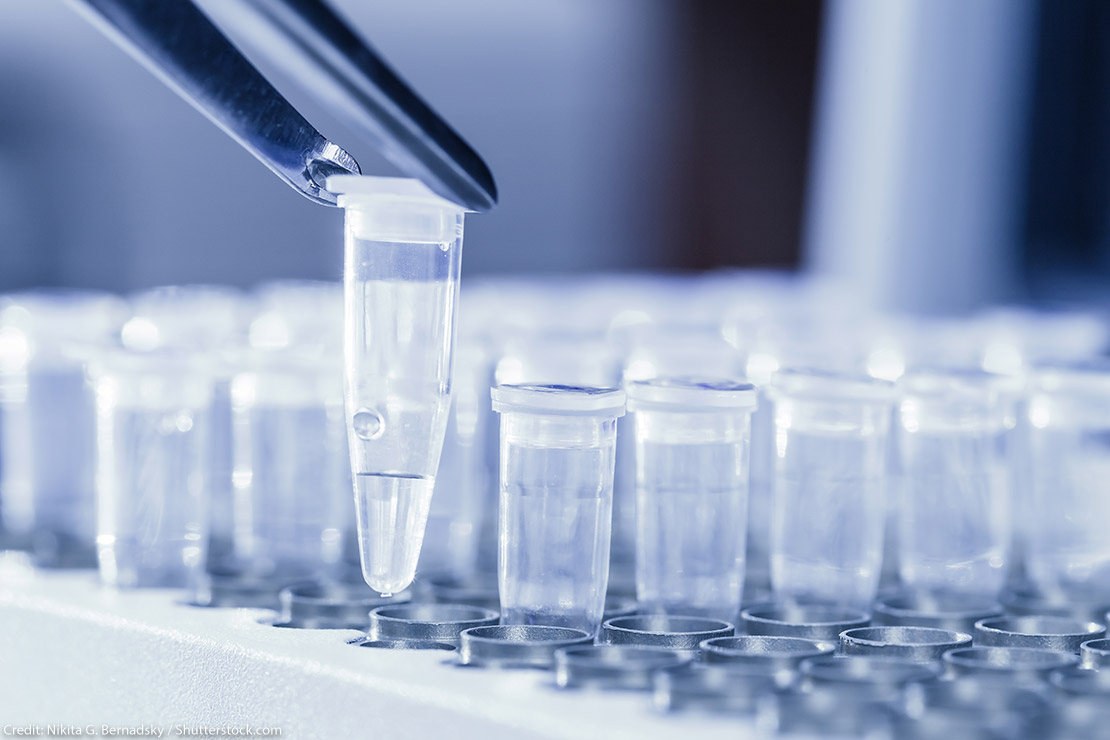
{"x":776,"y":443}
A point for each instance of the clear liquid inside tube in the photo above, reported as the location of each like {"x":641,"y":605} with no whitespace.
{"x":392,"y":515}
{"x":400,"y":298}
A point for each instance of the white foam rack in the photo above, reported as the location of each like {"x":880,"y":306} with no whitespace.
{"x":74,"y":654}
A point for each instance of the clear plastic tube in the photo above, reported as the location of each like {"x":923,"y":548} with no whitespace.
{"x":830,"y":485}
{"x":544,"y":353}
{"x":954,"y":442}
{"x":1067,"y":550}
{"x":557,"y":457}
{"x":305,"y":317}
{"x":212,"y":320}
{"x":48,"y":413}
{"x":651,"y":350}
{"x":692,"y":494}
{"x":288,"y":491}
{"x":773,"y":337}
{"x":450,"y":547}
{"x":403,"y":250}
{"x":152,"y":423}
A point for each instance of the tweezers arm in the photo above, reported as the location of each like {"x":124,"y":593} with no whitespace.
{"x":316,"y":48}
{"x":178,"y":43}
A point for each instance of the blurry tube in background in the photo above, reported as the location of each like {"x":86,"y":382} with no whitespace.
{"x":450,"y":548}
{"x":1067,"y":549}
{"x":556,"y":499}
{"x":955,"y":437}
{"x":305,"y":317}
{"x":691,"y":445}
{"x":829,"y":506}
{"x":152,"y":419}
{"x":209,"y":322}
{"x":288,"y":483}
{"x":16,"y":510}
{"x":667,"y":346}
{"x":775,"y":333}
{"x":48,"y":439}
{"x":1014,"y":340}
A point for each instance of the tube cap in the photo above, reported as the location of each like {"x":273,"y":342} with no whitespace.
{"x":363,"y":187}
{"x":396,"y":209}
{"x":690,"y":393}
{"x":558,"y":400}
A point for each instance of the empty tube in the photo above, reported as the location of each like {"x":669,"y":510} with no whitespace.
{"x":954,"y":450}
{"x":543,"y":351}
{"x":775,"y":336}
{"x":1067,"y":551}
{"x":305,"y":317}
{"x":288,"y":483}
{"x":450,"y":549}
{"x":48,"y":413}
{"x":212,"y":320}
{"x":830,"y":478}
{"x":151,"y":450}
{"x":692,"y":493}
{"x":557,"y":456}
{"x":652,"y":350}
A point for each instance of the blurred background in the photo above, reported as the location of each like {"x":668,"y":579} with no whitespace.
{"x":939,"y":155}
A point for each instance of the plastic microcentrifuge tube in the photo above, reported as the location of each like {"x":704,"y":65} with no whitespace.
{"x":830,"y":478}
{"x":692,"y":493}
{"x":1067,"y":548}
{"x":209,"y":320}
{"x":48,"y":413}
{"x":650,"y":350}
{"x":305,"y":318}
{"x":403,"y":249}
{"x":557,"y":457}
{"x":954,"y":451}
{"x":540,"y":350}
{"x":152,"y":419}
{"x":286,"y":448}
{"x":774,"y":336}
{"x":450,"y":549}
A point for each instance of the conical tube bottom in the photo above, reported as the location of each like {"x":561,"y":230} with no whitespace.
{"x":392,"y":513}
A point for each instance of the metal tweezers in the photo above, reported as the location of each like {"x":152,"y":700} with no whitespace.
{"x":308,"y":41}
